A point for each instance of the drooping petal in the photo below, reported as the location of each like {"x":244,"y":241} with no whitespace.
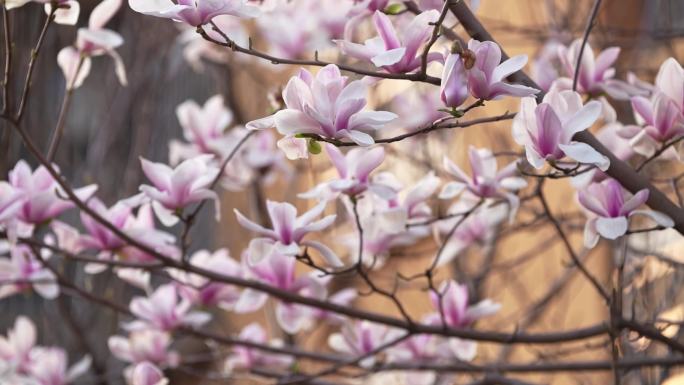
{"x":611,"y":228}
{"x":584,"y":153}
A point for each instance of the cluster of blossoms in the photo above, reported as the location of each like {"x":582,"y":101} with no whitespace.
{"x":22,"y":362}
{"x":451,"y":309}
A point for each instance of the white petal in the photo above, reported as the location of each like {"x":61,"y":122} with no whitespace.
{"x":611,"y":228}
{"x":584,"y":153}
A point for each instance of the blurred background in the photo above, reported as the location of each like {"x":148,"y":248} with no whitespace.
{"x":525,"y":268}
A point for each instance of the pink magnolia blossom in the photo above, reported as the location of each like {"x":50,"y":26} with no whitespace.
{"x":27,"y":272}
{"x":99,"y":237}
{"x":486,"y":180}
{"x":204,"y":128}
{"x":417,"y":107}
{"x":15,"y":349}
{"x":480,"y":228}
{"x":371,"y":5}
{"x":146,"y":345}
{"x":201,"y":291}
{"x":196,"y":49}
{"x":419,"y":348}
{"x":49,"y":367}
{"x":295,"y":28}
{"x":661,"y":117}
{"x":194,"y":12}
{"x":43,"y":198}
{"x":361,"y":10}
{"x":545,"y":64}
{"x":454,"y":306}
{"x":278,"y":270}
{"x":596,"y":72}
{"x":326,"y":105}
{"x":454,"y":86}
{"x":360,"y":338}
{"x":174,"y":189}
{"x":95,"y":40}
{"x":146,"y":373}
{"x":66,"y":13}
{"x":546,"y":130}
{"x":670,"y":81}
{"x":354,"y":171}
{"x":244,"y":357}
{"x":257,"y":159}
{"x":385,"y":220}
{"x":610,"y":209}
{"x":163,"y":311}
{"x":343,"y":297}
{"x":140,"y":227}
{"x":288,"y":231}
{"x":393,"y":53}
{"x":486,"y":77}
{"x":660,"y":121}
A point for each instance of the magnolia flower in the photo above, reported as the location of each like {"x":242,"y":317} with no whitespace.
{"x":278,"y":270}
{"x":190,"y":182}
{"x":244,"y":357}
{"x":417,"y":108}
{"x":670,"y":81}
{"x":611,"y":209}
{"x":99,"y":237}
{"x":420,"y":348}
{"x":196,"y":49}
{"x":359,"y":339}
{"x":75,"y":61}
{"x":486,"y":181}
{"x":385,"y":222}
{"x":294,"y":28}
{"x":16,"y":348}
{"x":67,"y":10}
{"x":27,"y":272}
{"x":353,"y":170}
{"x":147,"y":345}
{"x":453,"y":305}
{"x":288,"y":230}
{"x":49,"y":367}
{"x":477,"y":229}
{"x":43,"y":198}
{"x":343,"y":297}
{"x":660,"y":116}
{"x":146,"y":373}
{"x":395,"y":54}
{"x":203,"y":127}
{"x":545,"y":64}
{"x":140,"y":227}
{"x":201,"y":291}
{"x":660,"y":121}
{"x":162,"y":310}
{"x":486,"y":77}
{"x":595,"y":73}
{"x":256,"y":159}
{"x":453,"y":89}
{"x":327,"y":106}
{"x":546,"y":130}
{"x":194,"y":12}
